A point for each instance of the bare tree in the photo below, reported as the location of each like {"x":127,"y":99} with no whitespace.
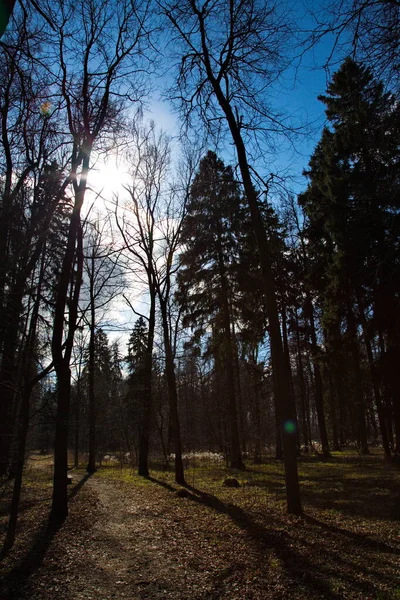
{"x":138,"y":227}
{"x":231,"y":52}
{"x":165,"y":269}
{"x":103,"y":281}
{"x":96,"y":54}
{"x":368,"y":30}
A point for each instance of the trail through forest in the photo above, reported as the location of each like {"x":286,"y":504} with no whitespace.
{"x":154,"y":541}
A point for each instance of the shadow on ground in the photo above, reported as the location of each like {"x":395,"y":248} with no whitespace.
{"x":291,"y":549}
{"x":31,"y":561}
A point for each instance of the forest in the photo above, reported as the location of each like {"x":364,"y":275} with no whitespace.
{"x":200,"y":317}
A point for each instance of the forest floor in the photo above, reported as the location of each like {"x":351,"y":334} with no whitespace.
{"x":132,"y":538}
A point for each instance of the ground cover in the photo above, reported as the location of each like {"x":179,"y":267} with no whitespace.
{"x":135,"y":538}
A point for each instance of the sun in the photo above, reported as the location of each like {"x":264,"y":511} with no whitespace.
{"x":108,"y":176}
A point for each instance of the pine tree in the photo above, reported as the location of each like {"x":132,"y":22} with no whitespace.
{"x":352,"y":204}
{"x":207,"y":264}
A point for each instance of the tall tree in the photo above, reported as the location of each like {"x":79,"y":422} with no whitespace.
{"x":352,"y":205}
{"x":139,"y":227}
{"x":166,"y":267}
{"x":94,"y":80}
{"x":230,"y":53}
{"x":29,"y":195}
{"x":103,"y":281}
{"x":210,"y":253}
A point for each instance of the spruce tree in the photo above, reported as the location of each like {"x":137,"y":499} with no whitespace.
{"x":352,"y":204}
{"x":206,"y":279}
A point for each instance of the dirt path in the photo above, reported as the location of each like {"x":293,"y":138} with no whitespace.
{"x":137,"y":542}
{"x":133,"y":549}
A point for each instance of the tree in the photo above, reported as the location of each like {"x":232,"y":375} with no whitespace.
{"x":366,"y":30}
{"x":166,"y":267}
{"x":137,"y":379}
{"x":230,"y":53}
{"x":104,"y":281}
{"x":94,"y":80}
{"x":138,"y":227}
{"x":30,"y":194}
{"x":351,"y":205}
{"x":210,"y":253}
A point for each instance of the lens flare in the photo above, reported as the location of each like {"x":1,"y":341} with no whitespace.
{"x":289,"y":427}
{"x":45,"y":109}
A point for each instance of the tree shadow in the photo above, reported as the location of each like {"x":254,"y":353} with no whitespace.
{"x":358,"y":538}
{"x":162,"y":483}
{"x":297,"y":565}
{"x":14,"y":581}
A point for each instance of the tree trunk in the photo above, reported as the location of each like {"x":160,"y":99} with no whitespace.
{"x":61,"y":350}
{"x":300,"y":374}
{"x":173,"y":395}
{"x":359,"y":396}
{"x":77,"y":424}
{"x":59,"y":508}
{"x":144,"y":431}
{"x":319,"y":397}
{"x":376,"y":387}
{"x":91,"y":467}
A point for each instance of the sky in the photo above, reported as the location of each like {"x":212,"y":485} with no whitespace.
{"x":296,"y":95}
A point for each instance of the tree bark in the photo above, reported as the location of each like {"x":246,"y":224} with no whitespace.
{"x":359,"y":396}
{"x":91,"y":467}
{"x":61,"y":350}
{"x":144,"y":426}
{"x":319,"y":396}
{"x":173,"y":395}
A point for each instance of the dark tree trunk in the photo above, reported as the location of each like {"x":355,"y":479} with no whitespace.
{"x":59,"y":508}
{"x":77,"y":424}
{"x":91,"y":467}
{"x":319,"y":396}
{"x":300,"y":374}
{"x":173,"y":395}
{"x":61,"y":350}
{"x":359,"y":396}
{"x":147,"y":406}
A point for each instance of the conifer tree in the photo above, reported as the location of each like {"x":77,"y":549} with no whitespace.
{"x":209,"y":258}
{"x":352,"y":204}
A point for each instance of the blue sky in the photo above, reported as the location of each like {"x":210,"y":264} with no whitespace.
{"x":296,"y":95}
